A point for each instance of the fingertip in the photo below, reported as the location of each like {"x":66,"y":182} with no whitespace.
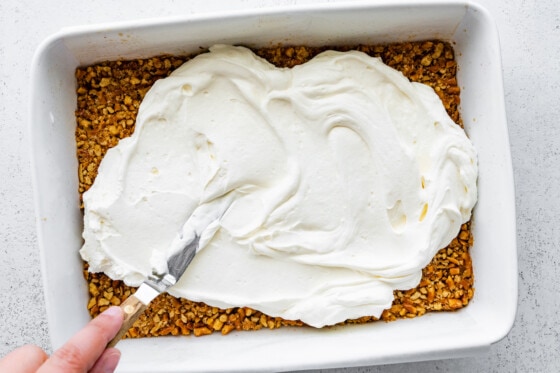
{"x":85,"y":347}
{"x":107,"y":362}
{"x":113,"y":318}
{"x":35,"y":352}
{"x":27,"y":358}
{"x":114,"y":312}
{"x":113,"y":351}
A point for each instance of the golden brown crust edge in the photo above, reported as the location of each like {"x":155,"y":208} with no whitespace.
{"x":109,"y":95}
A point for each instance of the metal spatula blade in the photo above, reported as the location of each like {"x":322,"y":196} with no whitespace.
{"x":204,"y":222}
{"x":156,"y":284}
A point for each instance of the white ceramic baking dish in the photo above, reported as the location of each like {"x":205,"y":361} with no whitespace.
{"x":469,"y":27}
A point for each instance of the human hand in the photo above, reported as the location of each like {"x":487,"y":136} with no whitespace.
{"x":84,"y":352}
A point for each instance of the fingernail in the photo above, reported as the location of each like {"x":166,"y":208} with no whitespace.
{"x":113,"y":311}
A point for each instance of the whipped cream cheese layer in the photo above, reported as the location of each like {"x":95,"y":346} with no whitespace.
{"x":318,"y":190}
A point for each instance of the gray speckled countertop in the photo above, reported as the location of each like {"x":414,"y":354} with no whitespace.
{"x":530,"y":37}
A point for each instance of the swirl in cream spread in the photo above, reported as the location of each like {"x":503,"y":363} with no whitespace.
{"x":342,"y":181}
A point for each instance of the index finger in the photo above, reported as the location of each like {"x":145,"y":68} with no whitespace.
{"x":81,"y":352}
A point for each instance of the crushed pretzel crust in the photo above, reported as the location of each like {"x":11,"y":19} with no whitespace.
{"x":109,"y":95}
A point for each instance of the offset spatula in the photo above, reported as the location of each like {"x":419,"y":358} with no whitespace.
{"x":156,"y":284}
{"x":203,"y":222}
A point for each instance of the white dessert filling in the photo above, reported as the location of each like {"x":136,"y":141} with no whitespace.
{"x":339,"y":178}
